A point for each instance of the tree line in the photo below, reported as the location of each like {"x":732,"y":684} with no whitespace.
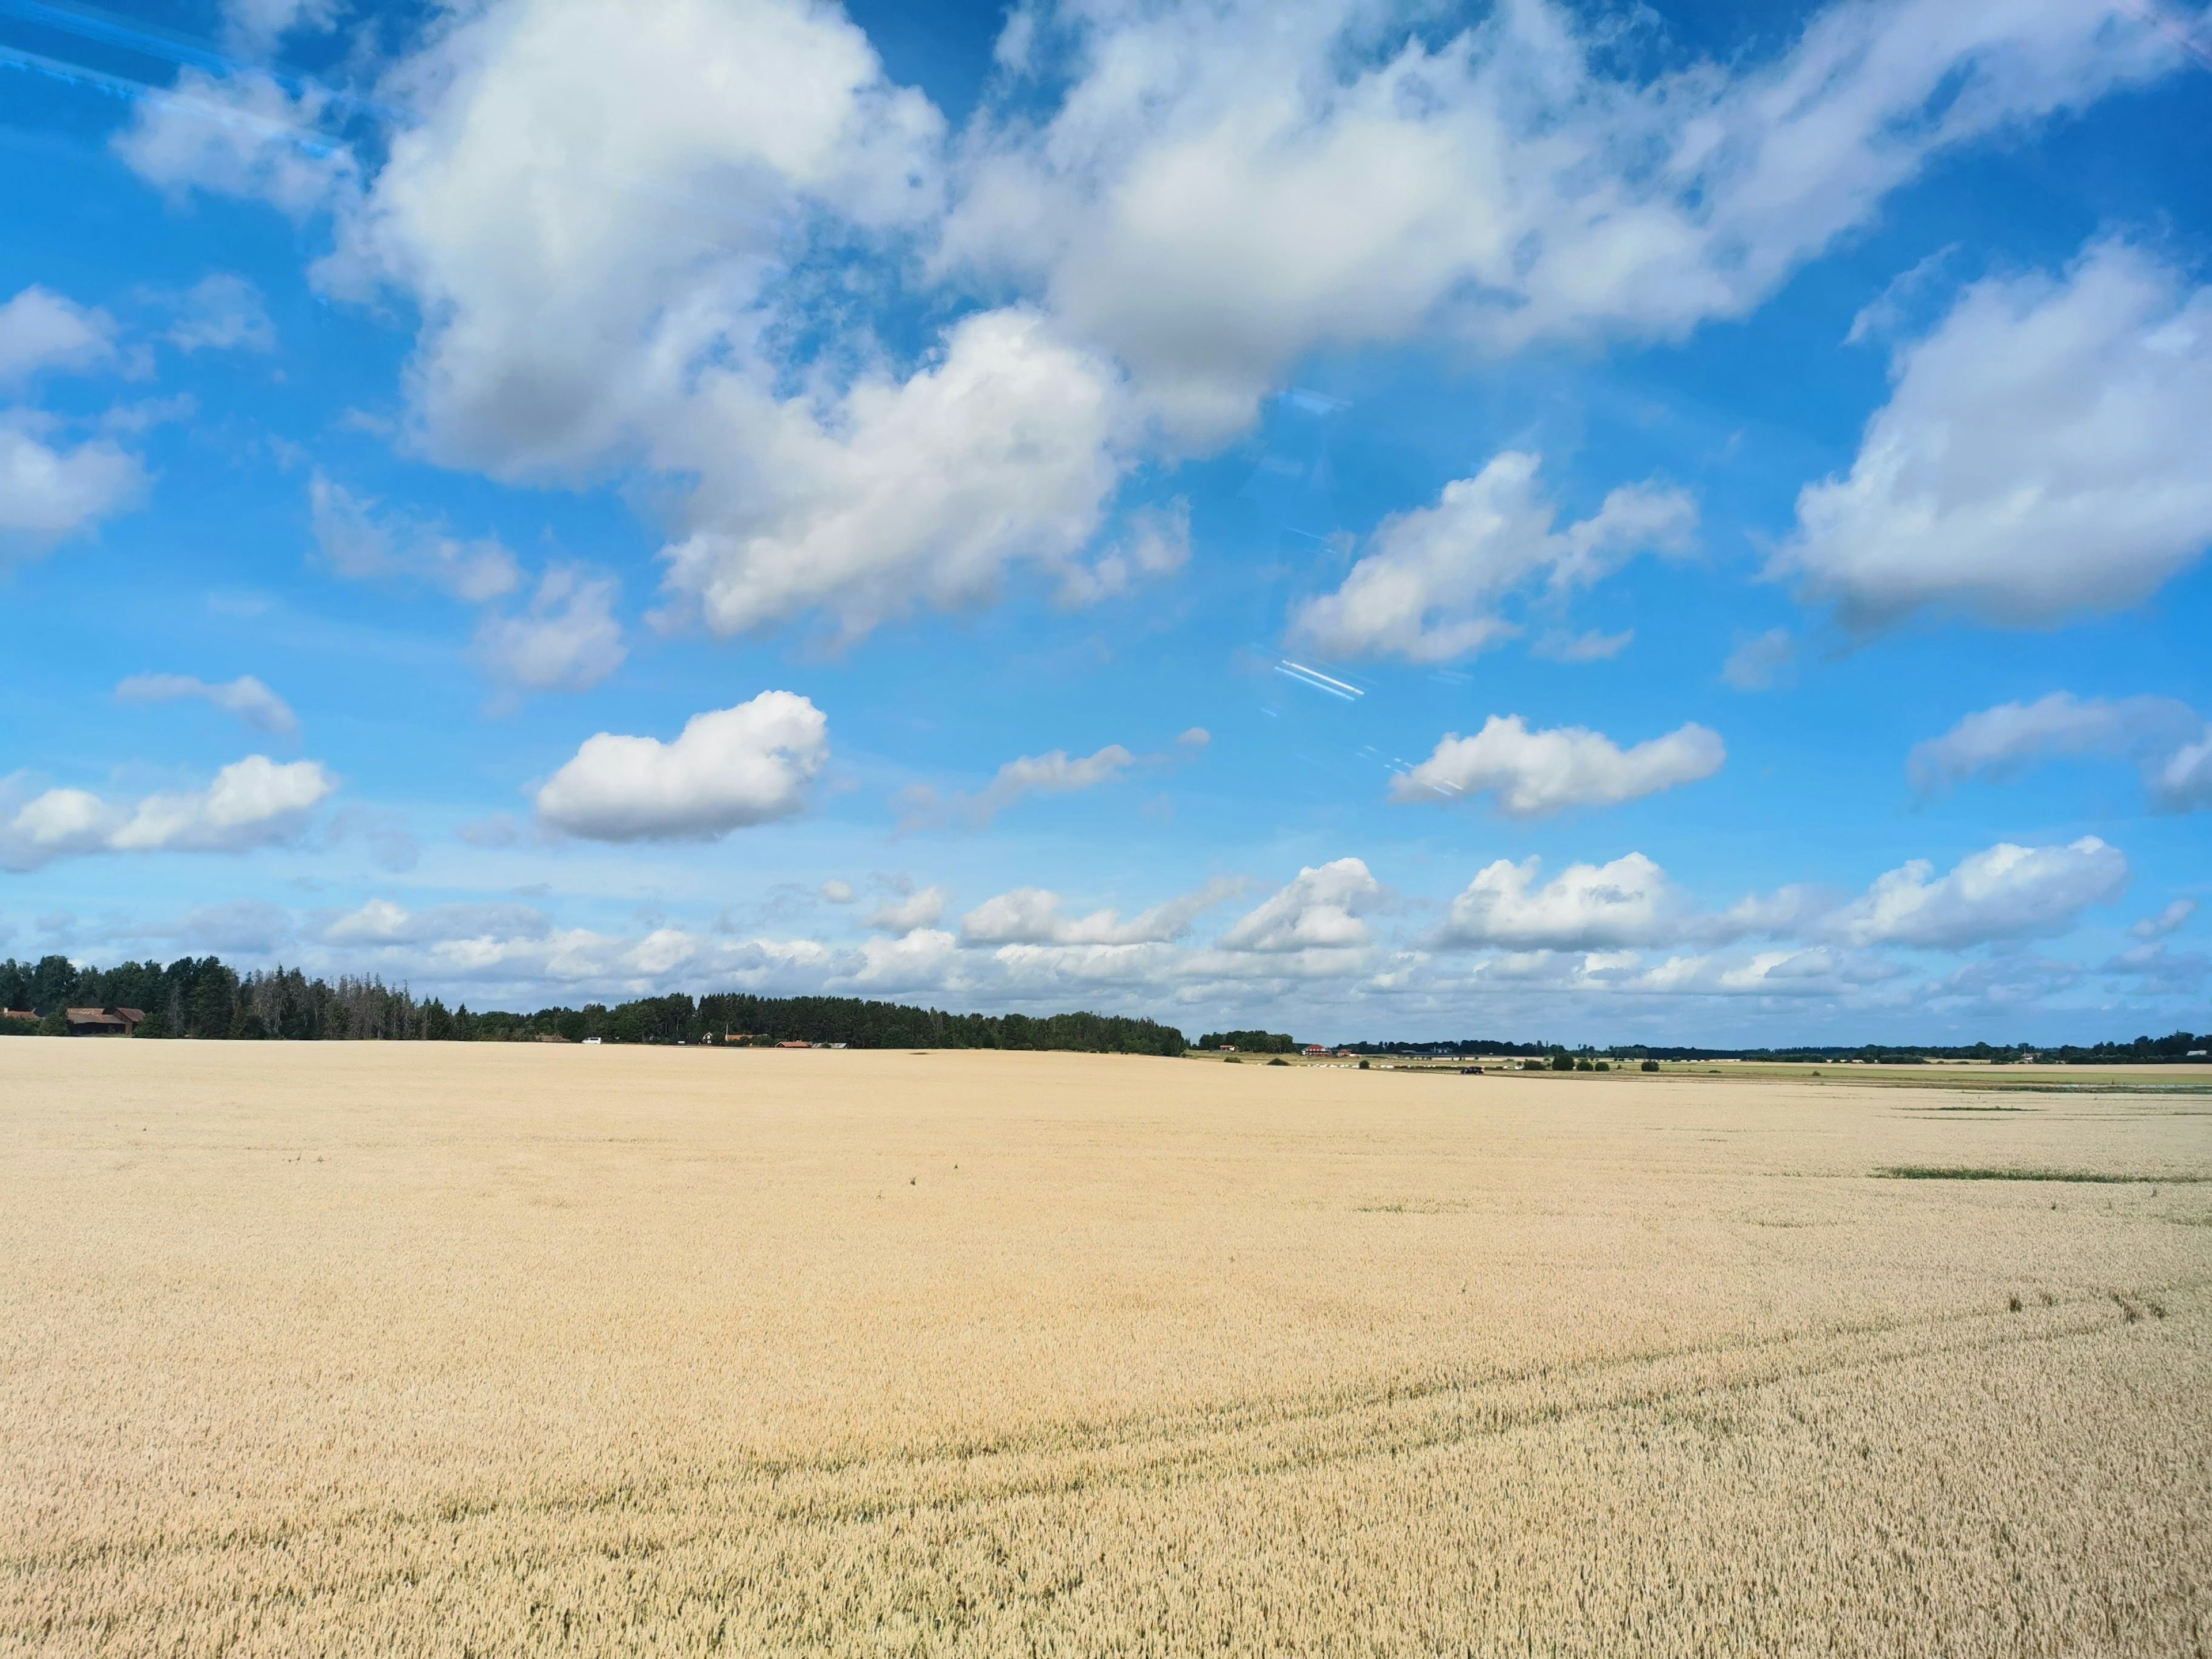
{"x":1252,"y":1042}
{"x":204,"y":998}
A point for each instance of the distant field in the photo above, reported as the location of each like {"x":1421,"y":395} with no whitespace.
{"x":483,"y":1349}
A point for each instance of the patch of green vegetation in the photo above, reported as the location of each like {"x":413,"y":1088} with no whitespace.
{"x":1962,"y":1172}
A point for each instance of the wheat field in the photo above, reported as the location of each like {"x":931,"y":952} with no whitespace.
{"x":431,"y":1349}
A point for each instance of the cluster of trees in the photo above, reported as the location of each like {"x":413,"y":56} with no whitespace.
{"x":1252,"y":1042}
{"x":201,"y":997}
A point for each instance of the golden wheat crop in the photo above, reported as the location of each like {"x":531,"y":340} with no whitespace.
{"x":439,"y":1350}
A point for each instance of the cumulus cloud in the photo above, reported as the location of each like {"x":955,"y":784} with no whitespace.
{"x":222,"y":312}
{"x":566,"y":640}
{"x":49,"y":492}
{"x":2037,"y":459}
{"x":920,"y":492}
{"x":1157,"y":544}
{"x":1430,"y":586}
{"x":246,"y":697}
{"x":542,"y":206}
{"x":240,"y":135}
{"x":42,"y":329}
{"x":1584,"y":907}
{"x":359,"y":542}
{"x":1031,"y":916}
{"x":728,"y":769}
{"x":611,"y":236}
{"x":382,"y":921}
{"x":251,"y":803}
{"x":1322,"y":910}
{"x":903,"y":915}
{"x":836,"y":892}
{"x":2004,"y":892}
{"x":518,"y":952}
{"x":1532,"y":774}
{"x":2165,"y":737}
{"x":1221,"y":190}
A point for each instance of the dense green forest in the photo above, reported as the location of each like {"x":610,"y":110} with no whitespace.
{"x":202,"y":997}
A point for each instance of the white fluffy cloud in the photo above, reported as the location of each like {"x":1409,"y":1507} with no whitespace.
{"x":2004,"y":892}
{"x":41,"y":329}
{"x":903,"y":915}
{"x":607,"y":223}
{"x":1584,"y":907}
{"x":912,"y":959}
{"x":2001,"y":893}
{"x":2165,"y":737}
{"x":566,"y":639}
{"x":920,"y":491}
{"x":728,"y":769}
{"x":245,"y":696}
{"x":49,"y":492}
{"x":1430,"y":584}
{"x":240,"y":135}
{"x":516,"y":951}
{"x":251,"y":803}
{"x":1031,"y":916}
{"x":588,"y":202}
{"x":1532,"y":774}
{"x":1322,"y":910}
{"x":594,"y":215}
{"x":2039,"y":458}
{"x":1224,"y":188}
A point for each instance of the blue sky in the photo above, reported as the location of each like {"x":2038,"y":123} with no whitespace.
{"x":1589,"y":523}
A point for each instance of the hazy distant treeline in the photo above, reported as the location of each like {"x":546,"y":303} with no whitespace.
{"x":203,"y":997}
{"x":2143,"y":1051}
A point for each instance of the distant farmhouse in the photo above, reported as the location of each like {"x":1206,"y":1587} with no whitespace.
{"x":82,"y":1022}
{"x":104,"y":1022}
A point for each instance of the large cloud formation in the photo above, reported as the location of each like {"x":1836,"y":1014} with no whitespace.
{"x":250,"y":803}
{"x":1430,"y":584}
{"x":2040,"y":456}
{"x":1533,"y":773}
{"x":615,"y":227}
{"x":2164,"y":736}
